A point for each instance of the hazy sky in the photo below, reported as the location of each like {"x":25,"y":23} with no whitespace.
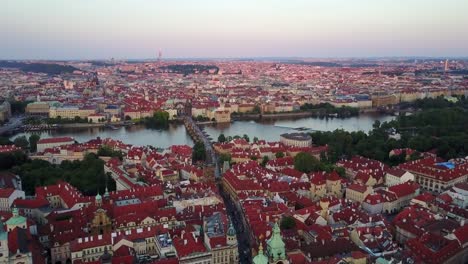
{"x":102,"y":29}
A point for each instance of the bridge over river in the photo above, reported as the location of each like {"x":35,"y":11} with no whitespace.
{"x":198,"y":135}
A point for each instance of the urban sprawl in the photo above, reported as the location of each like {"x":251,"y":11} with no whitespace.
{"x":234,"y":199}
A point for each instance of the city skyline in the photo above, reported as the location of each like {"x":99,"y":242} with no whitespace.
{"x":55,"y":30}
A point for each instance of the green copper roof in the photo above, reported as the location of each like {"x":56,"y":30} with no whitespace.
{"x":98,"y":197}
{"x":260,"y":258}
{"x":231,"y":231}
{"x":16,"y":219}
{"x":106,"y":194}
{"x":276,"y":246}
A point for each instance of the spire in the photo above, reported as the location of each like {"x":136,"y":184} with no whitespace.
{"x":106,"y":193}
{"x":276,"y":245}
{"x":260,"y":258}
{"x":98,"y":200}
{"x":276,"y":229}
{"x":231,"y":231}
{"x":15,"y":212}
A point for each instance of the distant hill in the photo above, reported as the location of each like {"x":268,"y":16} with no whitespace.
{"x":48,"y":68}
{"x":190,"y":68}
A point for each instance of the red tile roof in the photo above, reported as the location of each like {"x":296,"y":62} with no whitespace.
{"x":6,"y":192}
{"x":404,"y":189}
{"x":429,"y":168}
{"x":55,"y":140}
{"x":358,"y":187}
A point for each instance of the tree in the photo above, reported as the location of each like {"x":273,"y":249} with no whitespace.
{"x":287,"y":222}
{"x":21,"y":142}
{"x":397,"y":159}
{"x":225,"y":157}
{"x":415,"y":155}
{"x":255,"y":139}
{"x":198,"y":153}
{"x":256,"y":109}
{"x":376,"y":124}
{"x":221,"y":138}
{"x":87,"y":175}
{"x":106,"y":151}
{"x":246,"y":137}
{"x":33,"y":139}
{"x":11,"y":159}
{"x":279,"y":155}
{"x":160,"y":119}
{"x":265,"y":161}
{"x":18,"y":107}
{"x":306,"y":163}
{"x":323,"y":156}
{"x":5,"y":141}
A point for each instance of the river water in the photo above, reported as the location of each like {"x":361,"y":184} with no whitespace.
{"x":176,"y":134}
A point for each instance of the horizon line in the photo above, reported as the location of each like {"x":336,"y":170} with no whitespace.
{"x":248,"y":58}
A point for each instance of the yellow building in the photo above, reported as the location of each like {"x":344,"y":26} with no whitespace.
{"x":37,"y":108}
{"x":222,"y":116}
{"x":384,"y":100}
{"x":70,"y":112}
{"x":97,"y":118}
{"x":357,"y":192}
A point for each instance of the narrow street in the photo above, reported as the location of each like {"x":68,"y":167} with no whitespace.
{"x":243,"y":240}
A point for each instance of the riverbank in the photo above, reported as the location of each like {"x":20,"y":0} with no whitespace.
{"x":247,"y":117}
{"x":84,"y":125}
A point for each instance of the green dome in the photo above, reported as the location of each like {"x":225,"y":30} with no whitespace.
{"x":98,"y":197}
{"x":231,"y":231}
{"x":16,"y":219}
{"x":260,"y":258}
{"x":276,"y":246}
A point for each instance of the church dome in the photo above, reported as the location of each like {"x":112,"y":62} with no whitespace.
{"x":231,"y":231}
{"x":260,"y":258}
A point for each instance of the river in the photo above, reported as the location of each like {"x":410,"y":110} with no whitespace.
{"x":176,"y":134}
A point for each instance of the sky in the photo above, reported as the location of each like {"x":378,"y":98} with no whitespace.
{"x":137,"y":29}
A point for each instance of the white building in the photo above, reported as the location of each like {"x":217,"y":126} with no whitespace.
{"x":459,"y":194}
{"x":8,"y":196}
{"x":46,"y":143}
{"x":396,"y":176}
{"x":296,"y":140}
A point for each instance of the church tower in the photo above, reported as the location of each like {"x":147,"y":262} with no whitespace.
{"x":260,"y":258}
{"x":276,"y":248}
{"x":231,"y":235}
{"x":98,"y":200}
